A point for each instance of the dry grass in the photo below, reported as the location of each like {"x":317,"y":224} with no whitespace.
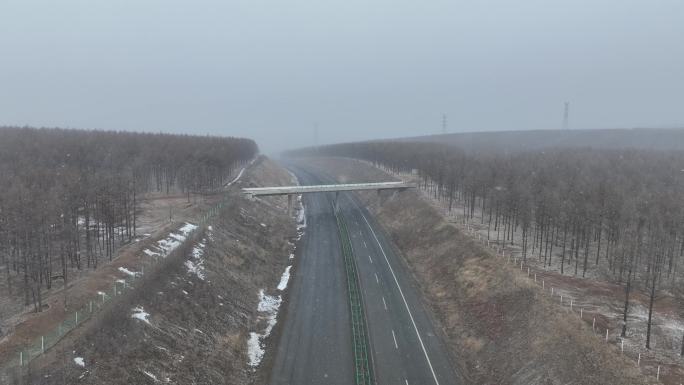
{"x":198,"y":328}
{"x":500,"y":326}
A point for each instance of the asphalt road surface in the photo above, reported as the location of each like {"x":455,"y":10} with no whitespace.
{"x":315,"y":343}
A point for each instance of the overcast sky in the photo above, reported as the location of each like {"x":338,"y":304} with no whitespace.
{"x":360,"y":69}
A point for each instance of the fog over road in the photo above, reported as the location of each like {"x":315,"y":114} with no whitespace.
{"x":315,"y":344}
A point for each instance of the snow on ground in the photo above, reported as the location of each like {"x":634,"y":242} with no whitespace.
{"x":239,"y":175}
{"x":150,"y":375}
{"x":79,"y":361}
{"x":301,"y":215}
{"x":284,"y":279}
{"x":268,"y":307}
{"x":291,"y":256}
{"x":139,"y":313}
{"x":165,"y":246}
{"x":301,"y":218}
{"x":667,"y":330}
{"x":195,"y":264}
{"x":128,"y":272}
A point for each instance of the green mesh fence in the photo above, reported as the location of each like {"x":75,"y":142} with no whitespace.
{"x":40,"y":345}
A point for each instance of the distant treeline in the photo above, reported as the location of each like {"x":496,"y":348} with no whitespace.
{"x":67,"y":197}
{"x":521,"y":141}
{"x":621,"y":208}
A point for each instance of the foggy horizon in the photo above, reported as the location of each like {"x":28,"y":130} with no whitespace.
{"x":272,"y":72}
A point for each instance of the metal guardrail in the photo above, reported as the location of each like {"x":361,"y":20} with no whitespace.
{"x":363,"y":370}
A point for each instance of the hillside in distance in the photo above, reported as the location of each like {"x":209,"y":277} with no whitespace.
{"x":520,"y":141}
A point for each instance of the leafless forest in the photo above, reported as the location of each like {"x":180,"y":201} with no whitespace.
{"x":69,"y":197}
{"x":616,"y":208}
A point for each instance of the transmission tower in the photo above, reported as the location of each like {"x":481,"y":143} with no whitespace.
{"x":566,"y":124}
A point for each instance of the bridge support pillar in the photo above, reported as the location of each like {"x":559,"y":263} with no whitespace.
{"x":289,"y":204}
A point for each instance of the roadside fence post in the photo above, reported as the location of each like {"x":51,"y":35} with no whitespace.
{"x":42,"y":344}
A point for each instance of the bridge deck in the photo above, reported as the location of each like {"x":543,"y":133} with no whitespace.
{"x":286,"y":190}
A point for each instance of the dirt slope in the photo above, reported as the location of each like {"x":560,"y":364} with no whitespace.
{"x":501,"y":327}
{"x":195,"y":317}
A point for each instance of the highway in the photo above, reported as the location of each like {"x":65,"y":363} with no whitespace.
{"x":315,"y":343}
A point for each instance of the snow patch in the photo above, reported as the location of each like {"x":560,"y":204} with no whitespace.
{"x":150,"y":375}
{"x":268,"y":307}
{"x":284,"y":279}
{"x":139,"y":313}
{"x":239,"y":175}
{"x":79,"y":361}
{"x":171,"y":242}
{"x":195,"y":264}
{"x":129,"y":272}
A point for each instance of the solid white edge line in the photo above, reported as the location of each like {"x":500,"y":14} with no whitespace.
{"x":395,"y":340}
{"x":420,"y":339}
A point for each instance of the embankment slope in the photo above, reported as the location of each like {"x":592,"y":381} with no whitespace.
{"x":191,"y":323}
{"x":501,"y":328}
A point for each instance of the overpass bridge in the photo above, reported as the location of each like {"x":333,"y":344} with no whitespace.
{"x":336,"y":188}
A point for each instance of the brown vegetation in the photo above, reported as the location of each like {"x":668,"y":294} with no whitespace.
{"x":198,"y":327}
{"x":69,"y":199}
{"x":619,"y":212}
{"x":501,"y":327}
